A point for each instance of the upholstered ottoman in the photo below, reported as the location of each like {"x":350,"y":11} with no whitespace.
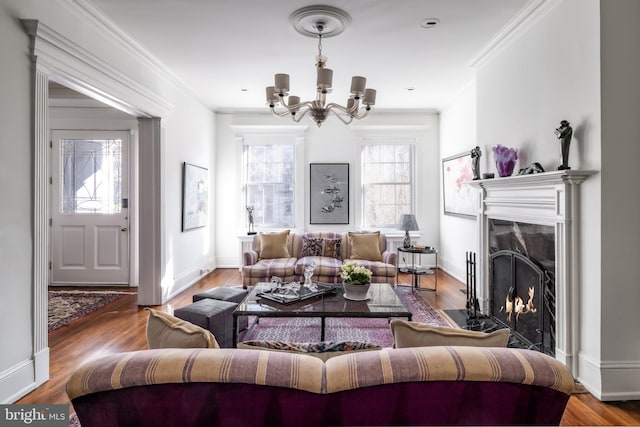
{"x":213,"y":315}
{"x":223,"y":293}
{"x":226,"y":293}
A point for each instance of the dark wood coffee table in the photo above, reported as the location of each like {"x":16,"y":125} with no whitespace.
{"x":383,"y":302}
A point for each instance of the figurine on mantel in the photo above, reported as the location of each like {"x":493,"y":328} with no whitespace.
{"x":564,"y":133}
{"x":475,"y":162}
{"x":531,"y":169}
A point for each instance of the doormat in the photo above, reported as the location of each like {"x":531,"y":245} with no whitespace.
{"x":66,"y":307}
{"x":374,"y":331}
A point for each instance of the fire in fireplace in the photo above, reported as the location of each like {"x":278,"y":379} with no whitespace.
{"x":521,"y":282}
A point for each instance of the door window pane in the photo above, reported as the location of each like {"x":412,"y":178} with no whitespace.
{"x":91,"y":176}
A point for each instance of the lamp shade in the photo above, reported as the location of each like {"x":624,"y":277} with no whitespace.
{"x":408,"y":222}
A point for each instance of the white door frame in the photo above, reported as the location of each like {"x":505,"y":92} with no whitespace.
{"x":56,"y":58}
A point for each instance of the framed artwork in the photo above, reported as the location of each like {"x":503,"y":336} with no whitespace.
{"x":458,"y":199}
{"x":195,"y":197}
{"x":329,"y":195}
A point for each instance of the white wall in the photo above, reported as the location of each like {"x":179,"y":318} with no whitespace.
{"x":188,"y":135}
{"x":620,"y":346}
{"x":458,"y":235}
{"x":547,"y":71}
{"x":16,"y":242}
{"x":332,"y":143}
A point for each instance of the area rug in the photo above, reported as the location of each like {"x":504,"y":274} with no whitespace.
{"x":68,"y":306}
{"x":375,"y":331}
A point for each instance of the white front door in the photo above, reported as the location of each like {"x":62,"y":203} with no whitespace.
{"x":90,"y":220}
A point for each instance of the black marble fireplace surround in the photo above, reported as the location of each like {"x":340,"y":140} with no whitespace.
{"x":522,"y":290}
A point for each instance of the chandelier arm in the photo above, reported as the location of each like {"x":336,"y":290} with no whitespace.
{"x":349,"y":111}
{"x":279,"y":114}
{"x":346,"y":122}
{"x":354,"y":114}
{"x":297,"y":117}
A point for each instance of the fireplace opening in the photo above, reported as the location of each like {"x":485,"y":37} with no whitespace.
{"x":522,"y":281}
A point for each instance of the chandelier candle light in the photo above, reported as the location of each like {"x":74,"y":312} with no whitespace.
{"x":320,"y":21}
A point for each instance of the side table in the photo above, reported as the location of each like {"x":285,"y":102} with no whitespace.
{"x":416,"y":270}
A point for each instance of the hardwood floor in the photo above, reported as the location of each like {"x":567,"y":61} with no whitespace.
{"x":121,"y":327}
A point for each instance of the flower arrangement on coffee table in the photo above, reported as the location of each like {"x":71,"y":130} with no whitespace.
{"x":356,"y":280}
{"x":355,"y":274}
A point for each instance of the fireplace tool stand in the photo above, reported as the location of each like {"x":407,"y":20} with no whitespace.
{"x":475,"y":319}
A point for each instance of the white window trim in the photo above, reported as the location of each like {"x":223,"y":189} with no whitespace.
{"x":412,"y":182}
{"x":272,"y":135}
{"x":387,"y":135}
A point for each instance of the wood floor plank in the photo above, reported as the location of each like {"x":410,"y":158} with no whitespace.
{"x":121,"y":326}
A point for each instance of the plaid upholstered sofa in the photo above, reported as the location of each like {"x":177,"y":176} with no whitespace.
{"x":295,"y":251}
{"x":407,"y":386}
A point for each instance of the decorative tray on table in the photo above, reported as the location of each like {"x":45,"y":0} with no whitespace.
{"x":288,"y":293}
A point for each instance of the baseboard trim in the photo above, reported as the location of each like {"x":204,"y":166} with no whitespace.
{"x":610,"y":380}
{"x":18,"y":377}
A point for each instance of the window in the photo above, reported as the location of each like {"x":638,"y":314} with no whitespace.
{"x":269,"y":176}
{"x":387,"y":184}
{"x":91,"y":175}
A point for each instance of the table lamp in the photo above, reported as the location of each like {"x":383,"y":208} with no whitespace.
{"x":408,"y":223}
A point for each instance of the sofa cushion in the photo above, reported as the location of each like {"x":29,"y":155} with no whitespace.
{"x":265,"y":268}
{"x":365,"y":246}
{"x":323,"y":350}
{"x":325,"y":266}
{"x":274,"y":245}
{"x":332,"y":248}
{"x":378,"y":268}
{"x":414,"y":334}
{"x":167,"y":331}
{"x":311,"y":246}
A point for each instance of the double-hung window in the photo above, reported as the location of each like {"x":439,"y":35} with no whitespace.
{"x":387,"y":183}
{"x":269,"y":184}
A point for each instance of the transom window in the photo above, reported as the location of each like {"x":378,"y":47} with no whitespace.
{"x":269,"y":189}
{"x":387,"y":184}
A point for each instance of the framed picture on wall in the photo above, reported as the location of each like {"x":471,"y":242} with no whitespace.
{"x":195,"y":197}
{"x":458,"y":199}
{"x":329,"y":195}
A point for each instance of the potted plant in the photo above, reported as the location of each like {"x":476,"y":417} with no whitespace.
{"x":356,"y":280}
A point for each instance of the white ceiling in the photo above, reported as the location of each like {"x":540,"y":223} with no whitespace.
{"x":227,"y":51}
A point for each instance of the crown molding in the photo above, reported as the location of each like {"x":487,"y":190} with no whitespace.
{"x":528,"y":15}
{"x":71,"y":65}
{"x":105,"y":26}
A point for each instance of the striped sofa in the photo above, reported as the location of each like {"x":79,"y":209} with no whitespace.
{"x":410,"y":386}
{"x":256,"y":269}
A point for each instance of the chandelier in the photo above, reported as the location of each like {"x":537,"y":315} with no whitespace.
{"x":320,"y":21}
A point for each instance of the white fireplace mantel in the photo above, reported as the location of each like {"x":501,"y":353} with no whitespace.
{"x":550,"y":198}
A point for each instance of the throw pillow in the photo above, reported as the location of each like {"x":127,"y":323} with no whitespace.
{"x":365,"y":246}
{"x":332,"y":248}
{"x":274,"y":245}
{"x":311,"y":246}
{"x":167,"y":331}
{"x":414,"y":334}
{"x":323,"y":350}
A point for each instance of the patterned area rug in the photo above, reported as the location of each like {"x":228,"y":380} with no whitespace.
{"x":68,"y":306}
{"x":375,"y":331}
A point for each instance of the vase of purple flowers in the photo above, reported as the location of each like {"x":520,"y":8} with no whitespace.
{"x":505,"y":158}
